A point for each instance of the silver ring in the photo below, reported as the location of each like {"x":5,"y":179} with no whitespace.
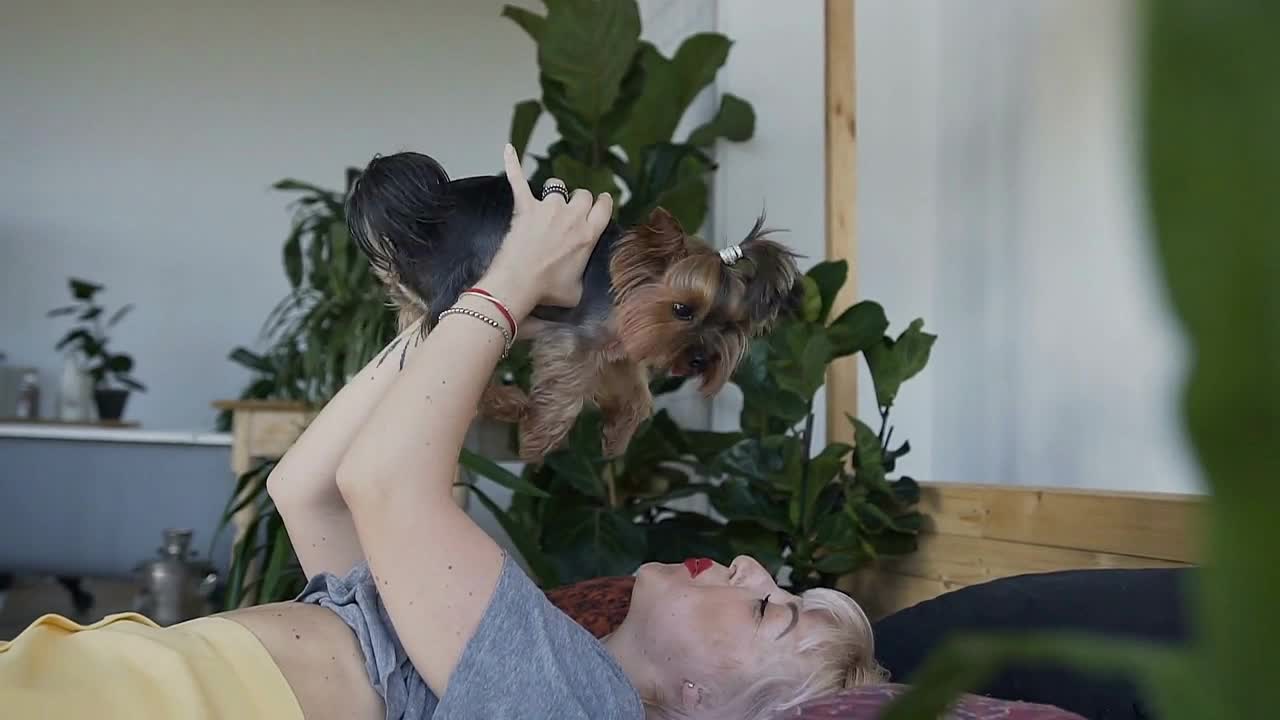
{"x":553,"y":188}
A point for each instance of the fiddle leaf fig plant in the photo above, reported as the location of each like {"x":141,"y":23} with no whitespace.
{"x":819,"y":512}
{"x":616,"y":102}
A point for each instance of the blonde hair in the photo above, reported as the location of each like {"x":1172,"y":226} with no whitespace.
{"x":845,"y":654}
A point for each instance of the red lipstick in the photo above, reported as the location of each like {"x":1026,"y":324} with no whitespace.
{"x":697,"y":566}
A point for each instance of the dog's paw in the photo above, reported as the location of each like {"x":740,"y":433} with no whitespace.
{"x":504,"y":403}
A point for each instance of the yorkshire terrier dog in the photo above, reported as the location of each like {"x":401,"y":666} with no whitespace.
{"x":655,"y":299}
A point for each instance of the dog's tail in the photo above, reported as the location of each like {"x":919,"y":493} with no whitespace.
{"x":397,"y":201}
{"x":771,"y":276}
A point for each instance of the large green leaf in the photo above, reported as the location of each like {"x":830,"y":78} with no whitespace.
{"x":756,"y":540}
{"x":587,"y":47}
{"x":773,"y":460}
{"x":857,"y":329}
{"x":590,"y":542}
{"x":578,"y":462}
{"x":684,"y":535}
{"x":533,"y":24}
{"x":668,"y":175}
{"x":523,"y":121}
{"x":1212,"y":157}
{"x":765,"y":405}
{"x":893,"y":362}
{"x":539,"y":564}
{"x":576,"y":174}
{"x":485,"y":467}
{"x":686,"y":200}
{"x":829,"y":277}
{"x":735,"y":120}
{"x":822,"y":469}
{"x":738,"y":501}
{"x":803,"y":374}
{"x":839,"y":563}
{"x":868,"y":455}
{"x":705,"y":445}
{"x":670,"y":85}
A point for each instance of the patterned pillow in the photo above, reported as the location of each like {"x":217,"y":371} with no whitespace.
{"x":865,"y":703}
{"x":598,"y":605}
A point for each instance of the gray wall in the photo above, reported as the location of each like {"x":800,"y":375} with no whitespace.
{"x":87,"y":508}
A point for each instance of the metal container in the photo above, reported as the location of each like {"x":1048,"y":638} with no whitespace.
{"x":175,"y":586}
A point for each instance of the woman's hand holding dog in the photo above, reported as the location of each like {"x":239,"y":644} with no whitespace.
{"x":543,"y":256}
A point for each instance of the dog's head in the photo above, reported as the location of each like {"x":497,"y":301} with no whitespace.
{"x":691,"y":309}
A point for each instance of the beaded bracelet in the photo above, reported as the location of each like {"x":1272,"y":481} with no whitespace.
{"x":502,"y":307}
{"x":506,"y":336}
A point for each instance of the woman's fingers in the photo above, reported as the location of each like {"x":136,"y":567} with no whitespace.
{"x":554,"y":190}
{"x":600,"y":214}
{"x":580,"y":201}
{"x":515,"y":175}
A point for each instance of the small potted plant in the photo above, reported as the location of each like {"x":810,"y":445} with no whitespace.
{"x":88,"y":338}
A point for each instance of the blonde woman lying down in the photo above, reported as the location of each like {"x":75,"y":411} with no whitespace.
{"x":412,"y":611}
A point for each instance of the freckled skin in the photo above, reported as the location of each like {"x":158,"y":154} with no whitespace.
{"x":332,"y":687}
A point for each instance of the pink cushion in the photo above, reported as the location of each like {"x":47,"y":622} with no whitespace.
{"x":865,"y":703}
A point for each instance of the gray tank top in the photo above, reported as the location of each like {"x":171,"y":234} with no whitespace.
{"x":527,"y":659}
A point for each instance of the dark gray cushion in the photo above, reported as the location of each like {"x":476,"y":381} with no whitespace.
{"x":1146,"y":604}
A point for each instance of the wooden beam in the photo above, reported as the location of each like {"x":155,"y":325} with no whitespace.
{"x":882,"y":593}
{"x":841,"y":141}
{"x":956,"y":560}
{"x":1150,"y":525}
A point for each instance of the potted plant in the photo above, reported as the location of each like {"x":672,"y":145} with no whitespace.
{"x":818,"y":513}
{"x":87,"y":339}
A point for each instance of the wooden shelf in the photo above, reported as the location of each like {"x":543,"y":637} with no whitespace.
{"x":113,"y":424}
{"x":261,"y":405}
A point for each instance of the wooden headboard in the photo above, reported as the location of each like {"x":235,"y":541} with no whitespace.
{"x":975,"y":533}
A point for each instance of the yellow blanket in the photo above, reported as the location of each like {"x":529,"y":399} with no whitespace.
{"x":127,"y":667}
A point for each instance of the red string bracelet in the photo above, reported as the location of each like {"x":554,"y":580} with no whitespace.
{"x":502,"y":308}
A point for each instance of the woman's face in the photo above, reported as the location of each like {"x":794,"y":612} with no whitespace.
{"x":714,"y":626}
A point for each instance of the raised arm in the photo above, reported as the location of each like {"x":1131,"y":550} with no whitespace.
{"x":435,"y":569}
{"x":304,"y":484}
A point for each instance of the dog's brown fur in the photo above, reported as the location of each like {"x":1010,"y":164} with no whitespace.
{"x":655,"y":299}
{"x":654,"y":266}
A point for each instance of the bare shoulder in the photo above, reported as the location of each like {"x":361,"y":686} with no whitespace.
{"x":319,"y":657}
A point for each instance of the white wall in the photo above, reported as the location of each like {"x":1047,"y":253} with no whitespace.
{"x":140,"y":140}
{"x":998,"y":199}
{"x":997,"y":196}
{"x":777,"y":65}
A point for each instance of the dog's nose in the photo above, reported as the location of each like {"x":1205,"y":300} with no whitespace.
{"x":698,"y":361}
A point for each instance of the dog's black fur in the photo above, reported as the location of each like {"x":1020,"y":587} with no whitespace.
{"x":654,"y":298}
{"x":458,"y":226}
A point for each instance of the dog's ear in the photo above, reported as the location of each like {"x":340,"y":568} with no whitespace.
{"x":647,"y":251}
{"x":771,"y":277}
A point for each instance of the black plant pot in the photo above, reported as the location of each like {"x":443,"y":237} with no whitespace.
{"x":110,"y":403}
